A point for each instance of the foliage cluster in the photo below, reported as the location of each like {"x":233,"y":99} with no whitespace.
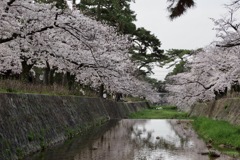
{"x":62,"y":42}
{"x":146,"y":46}
{"x":160,"y":112}
{"x":178,"y":59}
{"x":210,"y":72}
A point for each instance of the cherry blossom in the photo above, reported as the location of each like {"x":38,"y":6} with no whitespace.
{"x":213,"y":70}
{"x":43,"y":36}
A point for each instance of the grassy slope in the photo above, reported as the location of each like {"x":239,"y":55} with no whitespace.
{"x":164,"y":112}
{"x":219,"y":133}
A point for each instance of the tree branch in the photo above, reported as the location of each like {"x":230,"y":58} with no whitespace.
{"x":228,"y":45}
{"x":9,"y":4}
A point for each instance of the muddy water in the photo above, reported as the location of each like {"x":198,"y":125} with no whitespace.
{"x":133,"y":140}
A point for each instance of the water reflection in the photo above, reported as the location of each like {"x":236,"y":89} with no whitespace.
{"x":133,"y":140}
{"x":157,"y":139}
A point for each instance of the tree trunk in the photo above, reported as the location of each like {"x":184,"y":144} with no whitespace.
{"x":51,"y":76}
{"x":118,"y":97}
{"x":101,"y":89}
{"x":26,"y":75}
{"x":46,"y":74}
{"x":70,"y":80}
{"x":99,"y":10}
{"x":74,"y":2}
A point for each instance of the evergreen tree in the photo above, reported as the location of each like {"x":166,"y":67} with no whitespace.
{"x":59,"y":3}
{"x":179,"y":7}
{"x":113,"y":12}
{"x":146,"y":50}
{"x":177,"y":58}
{"x":117,"y":13}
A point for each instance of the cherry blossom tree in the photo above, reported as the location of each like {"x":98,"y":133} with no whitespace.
{"x":213,"y":70}
{"x":228,"y":26}
{"x":68,"y":42}
{"x":22,"y":21}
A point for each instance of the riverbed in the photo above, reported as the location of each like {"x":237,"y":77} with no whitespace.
{"x":133,"y":140}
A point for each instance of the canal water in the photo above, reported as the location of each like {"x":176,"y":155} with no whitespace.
{"x":132,"y":140}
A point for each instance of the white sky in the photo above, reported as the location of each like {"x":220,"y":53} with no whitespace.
{"x":190,"y":31}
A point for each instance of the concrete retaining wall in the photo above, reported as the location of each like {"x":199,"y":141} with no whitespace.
{"x":29,"y":123}
{"x":227,"y":109}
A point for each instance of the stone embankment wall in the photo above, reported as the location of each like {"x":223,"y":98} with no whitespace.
{"x":29,"y":123}
{"x":227,"y":109}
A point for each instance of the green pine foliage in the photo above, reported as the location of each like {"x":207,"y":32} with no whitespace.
{"x":59,"y":3}
{"x":146,"y":49}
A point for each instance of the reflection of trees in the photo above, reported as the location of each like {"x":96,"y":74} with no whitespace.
{"x":113,"y":144}
{"x":182,"y":131}
{"x":117,"y":139}
{"x":125,"y":139}
{"x":163,"y":143}
{"x":70,"y":148}
{"x":138,"y":140}
{"x":143,"y":138}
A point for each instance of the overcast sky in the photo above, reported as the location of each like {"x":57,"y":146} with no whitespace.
{"x":190,"y":31}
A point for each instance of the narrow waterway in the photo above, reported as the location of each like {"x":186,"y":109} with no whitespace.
{"x":132,"y":140}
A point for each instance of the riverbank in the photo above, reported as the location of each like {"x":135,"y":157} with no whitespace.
{"x":31,"y":122}
{"x":217,"y":134}
{"x":226,"y":109}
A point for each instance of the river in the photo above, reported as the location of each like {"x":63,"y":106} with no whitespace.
{"x":132,"y":140}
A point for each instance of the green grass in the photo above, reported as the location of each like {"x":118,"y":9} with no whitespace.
{"x":220,"y":133}
{"x":163,"y":112}
{"x":20,"y":87}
